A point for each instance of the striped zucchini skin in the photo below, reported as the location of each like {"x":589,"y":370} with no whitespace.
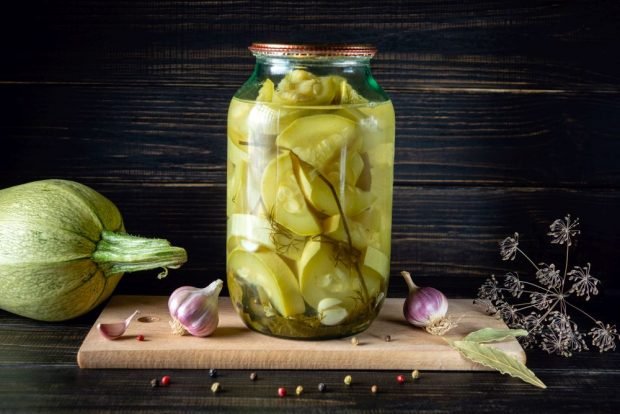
{"x":48,"y":232}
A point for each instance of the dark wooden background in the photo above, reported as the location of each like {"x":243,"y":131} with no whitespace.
{"x":508,"y":117}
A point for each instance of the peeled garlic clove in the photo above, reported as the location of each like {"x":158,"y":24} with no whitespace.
{"x":330,"y":312}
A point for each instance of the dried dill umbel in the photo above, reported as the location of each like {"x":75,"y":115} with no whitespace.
{"x":541,"y":306}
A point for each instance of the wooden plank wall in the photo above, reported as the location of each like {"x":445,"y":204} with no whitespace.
{"x":508,"y":115}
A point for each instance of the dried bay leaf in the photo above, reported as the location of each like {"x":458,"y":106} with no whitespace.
{"x":497,"y":359}
{"x":494,"y":335}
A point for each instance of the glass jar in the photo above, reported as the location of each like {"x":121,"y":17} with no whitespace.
{"x":309,"y":192}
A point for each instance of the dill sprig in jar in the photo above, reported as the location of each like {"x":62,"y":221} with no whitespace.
{"x":309,"y":192}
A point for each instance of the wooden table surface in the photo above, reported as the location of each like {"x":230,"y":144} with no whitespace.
{"x":507,"y":117}
{"x":38,"y":373}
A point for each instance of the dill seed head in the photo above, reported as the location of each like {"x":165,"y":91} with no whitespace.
{"x":550,"y":326}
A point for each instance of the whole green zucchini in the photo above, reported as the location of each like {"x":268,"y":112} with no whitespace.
{"x":63,"y":250}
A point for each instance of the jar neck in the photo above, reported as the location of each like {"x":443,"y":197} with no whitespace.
{"x":278,"y":66}
{"x":356,"y":71}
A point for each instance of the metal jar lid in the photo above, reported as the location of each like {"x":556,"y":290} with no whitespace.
{"x":313,"y":50}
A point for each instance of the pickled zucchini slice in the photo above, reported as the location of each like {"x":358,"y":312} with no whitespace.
{"x":236,"y":155}
{"x":300,"y":87}
{"x":320,"y":196}
{"x":382,"y":178}
{"x":378,"y":126}
{"x":356,"y":200}
{"x":377,"y":221}
{"x":373,"y":281}
{"x":321,"y":277}
{"x":253,"y":228}
{"x":237,"y":123}
{"x":376,"y":260}
{"x":317,"y":139}
{"x":267,"y":270}
{"x":240,"y":198}
{"x":361,"y":235}
{"x":354,"y":165}
{"x":284,"y":199}
{"x":381,"y":156}
{"x":346,"y":93}
{"x":364,"y":180}
{"x":316,"y":190}
{"x":265,"y":94}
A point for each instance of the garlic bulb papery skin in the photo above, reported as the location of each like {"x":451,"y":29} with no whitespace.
{"x":195,"y":309}
{"x":426,"y":307}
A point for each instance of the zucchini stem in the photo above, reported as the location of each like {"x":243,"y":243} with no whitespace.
{"x":123,"y":253}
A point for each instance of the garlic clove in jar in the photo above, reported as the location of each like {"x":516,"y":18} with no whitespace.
{"x":195,"y":309}
{"x":331,"y":312}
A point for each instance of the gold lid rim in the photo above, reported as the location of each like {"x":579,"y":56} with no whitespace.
{"x":314,"y":50}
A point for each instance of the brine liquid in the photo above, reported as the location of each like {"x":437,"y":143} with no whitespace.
{"x":309,"y":211}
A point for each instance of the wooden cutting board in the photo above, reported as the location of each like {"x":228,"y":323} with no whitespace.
{"x":233,"y":346}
